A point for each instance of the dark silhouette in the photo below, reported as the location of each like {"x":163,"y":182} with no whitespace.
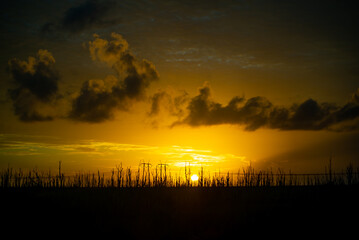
{"x":151,"y":203}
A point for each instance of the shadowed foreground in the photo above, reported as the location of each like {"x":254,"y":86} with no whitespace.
{"x":179,"y":213}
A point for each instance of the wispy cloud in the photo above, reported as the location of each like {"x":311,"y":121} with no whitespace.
{"x":41,"y":145}
{"x":208,"y":56}
{"x":180,"y":156}
{"x":176,"y":156}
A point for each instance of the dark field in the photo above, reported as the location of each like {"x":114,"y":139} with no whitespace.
{"x":180,"y":213}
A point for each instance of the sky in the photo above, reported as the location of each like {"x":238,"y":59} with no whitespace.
{"x":219,"y":84}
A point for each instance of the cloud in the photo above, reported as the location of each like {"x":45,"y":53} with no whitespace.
{"x":99,"y":99}
{"x":96,"y":101}
{"x":156,"y":101}
{"x":355,"y":97}
{"x":167,"y":101}
{"x":167,"y":106}
{"x":36,"y":87}
{"x":259,"y":112}
{"x":108,"y":51}
{"x":11,"y":144}
{"x":88,"y":15}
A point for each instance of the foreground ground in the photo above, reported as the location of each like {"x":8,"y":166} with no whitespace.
{"x":180,"y":213}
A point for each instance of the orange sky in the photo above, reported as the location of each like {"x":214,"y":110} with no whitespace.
{"x":221,"y":85}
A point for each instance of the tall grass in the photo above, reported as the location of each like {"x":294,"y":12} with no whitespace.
{"x":159,"y":176}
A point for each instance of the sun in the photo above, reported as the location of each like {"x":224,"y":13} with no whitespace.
{"x":194,"y":177}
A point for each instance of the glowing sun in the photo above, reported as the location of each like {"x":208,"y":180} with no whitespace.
{"x":194,"y":177}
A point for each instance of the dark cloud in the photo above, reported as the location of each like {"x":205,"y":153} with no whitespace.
{"x":36,"y":87}
{"x":96,"y":102}
{"x":99,"y":99}
{"x":167,"y":106}
{"x":168,"y":102}
{"x":355,"y":97}
{"x":90,"y":14}
{"x":258,"y":112}
{"x":156,"y":101}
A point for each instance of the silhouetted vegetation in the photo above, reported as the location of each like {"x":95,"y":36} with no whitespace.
{"x":155,"y":203}
{"x":160,"y":176}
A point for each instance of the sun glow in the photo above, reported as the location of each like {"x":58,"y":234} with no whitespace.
{"x":194,"y":177}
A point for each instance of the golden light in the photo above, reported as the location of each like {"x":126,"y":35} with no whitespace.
{"x":194,"y":177}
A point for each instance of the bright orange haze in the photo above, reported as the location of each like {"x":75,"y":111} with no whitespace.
{"x":215,"y":85}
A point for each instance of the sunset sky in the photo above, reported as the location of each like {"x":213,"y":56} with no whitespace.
{"x":219,"y":84}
